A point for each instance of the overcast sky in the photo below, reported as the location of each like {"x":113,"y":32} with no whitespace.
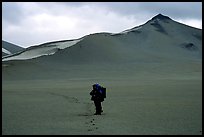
{"x":30,"y":23}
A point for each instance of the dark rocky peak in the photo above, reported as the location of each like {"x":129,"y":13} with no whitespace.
{"x":161,"y":17}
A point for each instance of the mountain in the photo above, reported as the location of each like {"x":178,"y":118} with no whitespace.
{"x":159,"y":33}
{"x":159,"y":40}
{"x":9,"y":48}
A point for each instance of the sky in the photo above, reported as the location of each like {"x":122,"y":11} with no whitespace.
{"x":31,"y":23}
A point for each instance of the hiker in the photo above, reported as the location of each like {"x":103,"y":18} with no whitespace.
{"x":97,"y":97}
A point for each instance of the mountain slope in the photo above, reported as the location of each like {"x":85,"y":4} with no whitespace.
{"x":9,"y":48}
{"x":38,"y":51}
{"x":154,"y":44}
{"x":160,"y":34}
{"x":156,"y":40}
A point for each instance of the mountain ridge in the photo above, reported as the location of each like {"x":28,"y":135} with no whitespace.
{"x":121,"y":46}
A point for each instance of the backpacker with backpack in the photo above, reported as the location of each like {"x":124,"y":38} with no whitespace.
{"x":97,"y":95}
{"x":102,"y":90}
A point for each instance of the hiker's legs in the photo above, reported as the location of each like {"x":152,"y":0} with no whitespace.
{"x":98,"y":107}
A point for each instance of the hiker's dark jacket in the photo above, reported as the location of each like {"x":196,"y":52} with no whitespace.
{"x":96,"y":95}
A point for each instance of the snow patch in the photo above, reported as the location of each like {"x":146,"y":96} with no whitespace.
{"x":49,"y":49}
{"x":134,"y":29}
{"x":6,"y":51}
{"x":63,"y":45}
{"x":127,"y":31}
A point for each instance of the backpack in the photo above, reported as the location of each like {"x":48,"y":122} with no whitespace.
{"x":103,"y":91}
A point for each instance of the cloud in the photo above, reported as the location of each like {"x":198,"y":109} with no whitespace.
{"x":38,"y":22}
{"x":11,"y":12}
{"x":150,"y":9}
{"x":67,"y":23}
{"x":192,"y":22}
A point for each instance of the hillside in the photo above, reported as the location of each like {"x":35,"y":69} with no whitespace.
{"x":9,"y":48}
{"x":161,"y":41}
